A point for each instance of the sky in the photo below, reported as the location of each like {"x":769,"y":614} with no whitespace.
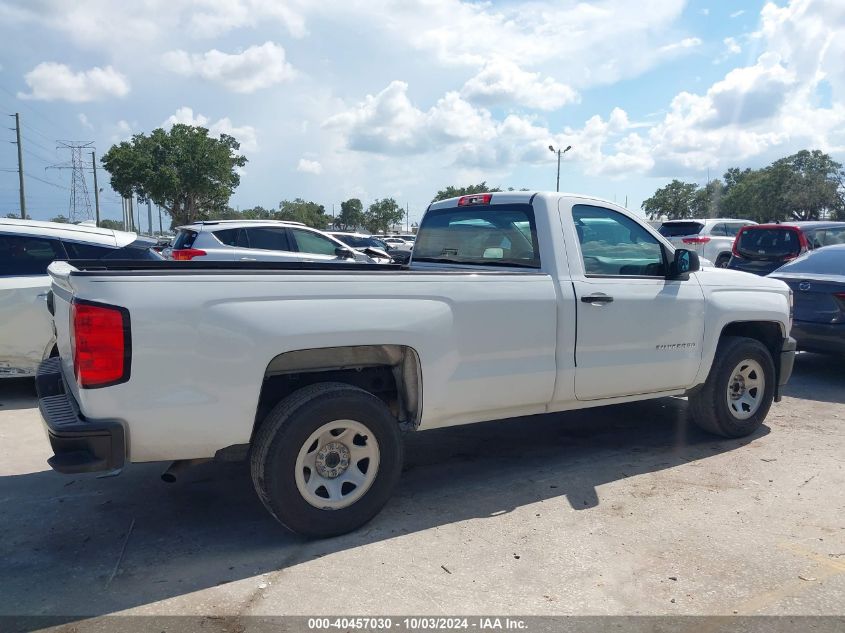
{"x":400,"y":98}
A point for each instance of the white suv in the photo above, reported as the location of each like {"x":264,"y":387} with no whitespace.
{"x":258,"y":240}
{"x":26,"y":249}
{"x":712,"y":238}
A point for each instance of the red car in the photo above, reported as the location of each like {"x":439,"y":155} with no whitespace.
{"x":763,"y":248}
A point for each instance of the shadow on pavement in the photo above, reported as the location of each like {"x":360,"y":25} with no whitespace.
{"x":17,"y":393}
{"x":817,"y":377}
{"x":61,"y":537}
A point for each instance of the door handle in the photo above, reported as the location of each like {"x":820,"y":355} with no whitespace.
{"x":597,"y":299}
{"x":43,"y":295}
{"x":248,"y":259}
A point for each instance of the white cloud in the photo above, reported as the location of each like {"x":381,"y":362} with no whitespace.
{"x":245,"y":134}
{"x":732,"y":47}
{"x":502,"y":81}
{"x":687,"y":42}
{"x":307,"y":166}
{"x":388,"y":124}
{"x":704,"y":11}
{"x":84,"y":121}
{"x":255,"y":68}
{"x":50,"y":81}
{"x":736,"y":14}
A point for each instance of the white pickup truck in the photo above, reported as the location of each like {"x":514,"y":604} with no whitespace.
{"x":514,"y":304}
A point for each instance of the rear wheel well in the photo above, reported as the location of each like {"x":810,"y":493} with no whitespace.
{"x":389,"y":372}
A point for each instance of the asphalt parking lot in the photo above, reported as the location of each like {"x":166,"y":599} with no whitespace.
{"x":621,"y":510}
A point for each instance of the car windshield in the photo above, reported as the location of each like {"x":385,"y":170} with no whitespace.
{"x":675,"y":229}
{"x":766,"y":242}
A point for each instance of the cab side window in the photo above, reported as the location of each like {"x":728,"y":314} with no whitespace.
{"x":614,"y":245}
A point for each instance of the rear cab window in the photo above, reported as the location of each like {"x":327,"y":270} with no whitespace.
{"x":677,"y":229}
{"x":488,"y":235}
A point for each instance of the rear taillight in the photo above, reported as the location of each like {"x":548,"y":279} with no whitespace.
{"x":839,"y":295}
{"x":695,"y":240}
{"x":100,"y":338}
{"x":186,"y":254}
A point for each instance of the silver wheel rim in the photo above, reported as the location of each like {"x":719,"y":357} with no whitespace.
{"x":745,"y":389}
{"x":337,"y":464}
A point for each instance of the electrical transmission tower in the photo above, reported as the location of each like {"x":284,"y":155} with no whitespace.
{"x":79,"y":205}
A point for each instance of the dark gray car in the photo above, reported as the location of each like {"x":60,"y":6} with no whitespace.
{"x":817,"y":280}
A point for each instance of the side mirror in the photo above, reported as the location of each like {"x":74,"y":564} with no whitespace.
{"x":684,"y":263}
{"x":343,"y":253}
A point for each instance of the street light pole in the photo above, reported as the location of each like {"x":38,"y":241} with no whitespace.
{"x":559,"y":152}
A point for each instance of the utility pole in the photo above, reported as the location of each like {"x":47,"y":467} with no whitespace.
{"x":20,"y":165}
{"x":96,"y":189}
{"x":160,"y":231}
{"x":559,"y":153}
{"x":131,"y":213}
{"x":139,"y":218}
{"x":150,"y":215}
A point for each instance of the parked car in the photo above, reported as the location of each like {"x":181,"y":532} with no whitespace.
{"x":817,"y":279}
{"x":397,"y":243}
{"x":258,"y":240}
{"x":764,"y":248}
{"x":311,"y":374}
{"x":711,"y":239}
{"x":27,"y":247}
{"x":380,"y":251}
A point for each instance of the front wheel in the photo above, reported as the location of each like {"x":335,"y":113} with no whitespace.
{"x":326,"y":459}
{"x":739,"y":390}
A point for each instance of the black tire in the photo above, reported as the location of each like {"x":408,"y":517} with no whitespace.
{"x":288,"y":426}
{"x":709,"y":407}
{"x":722,"y":261}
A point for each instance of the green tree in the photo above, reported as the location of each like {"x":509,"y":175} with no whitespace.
{"x":60,"y":219}
{"x":351,"y":214}
{"x":382,"y":214}
{"x":809,"y":185}
{"x":186,"y":171}
{"x":256,"y":213}
{"x":299,"y":210}
{"x":115,"y":225}
{"x":674,"y":201}
{"x":707,"y":201}
{"x":453,"y":192}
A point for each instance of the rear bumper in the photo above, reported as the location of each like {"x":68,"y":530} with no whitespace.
{"x":826,"y":338}
{"x":787,"y":360}
{"x":79,"y":445}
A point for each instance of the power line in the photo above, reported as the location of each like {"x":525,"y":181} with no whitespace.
{"x":47,"y":182}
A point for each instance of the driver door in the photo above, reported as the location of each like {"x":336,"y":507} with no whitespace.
{"x":637,"y":331}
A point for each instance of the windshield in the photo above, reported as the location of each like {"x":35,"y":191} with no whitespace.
{"x":766,"y":242}
{"x":497,"y":235}
{"x":676,"y":229}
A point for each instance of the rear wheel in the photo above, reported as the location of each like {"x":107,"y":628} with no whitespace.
{"x":739,"y":390}
{"x":326,"y":459}
{"x":722,"y":260}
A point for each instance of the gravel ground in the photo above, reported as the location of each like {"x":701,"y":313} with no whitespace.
{"x":616,"y":511}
